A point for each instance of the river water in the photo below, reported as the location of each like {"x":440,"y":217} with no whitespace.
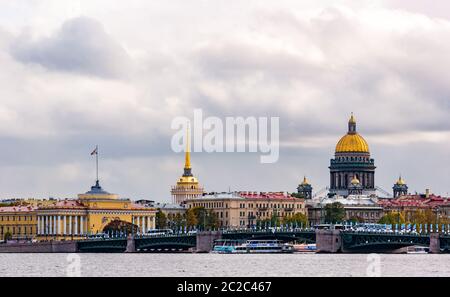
{"x":224,"y":265}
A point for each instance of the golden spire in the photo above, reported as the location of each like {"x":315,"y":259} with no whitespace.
{"x":187,"y":164}
{"x":305,"y":181}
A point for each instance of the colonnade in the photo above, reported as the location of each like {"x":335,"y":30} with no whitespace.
{"x":61,"y":225}
{"x":144,"y":223}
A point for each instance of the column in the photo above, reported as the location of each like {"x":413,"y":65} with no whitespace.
{"x":139,"y":223}
{"x":50,"y":225}
{"x":54,"y":225}
{"x":76,"y":225}
{"x":64,"y":225}
{"x":59,"y":225}
{"x":38,"y":225}
{"x":149,"y":224}
{"x":70,"y":225}
{"x":82,"y":225}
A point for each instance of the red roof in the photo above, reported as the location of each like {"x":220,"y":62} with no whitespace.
{"x":68,"y":203}
{"x":26,"y":208}
{"x":419,"y":201}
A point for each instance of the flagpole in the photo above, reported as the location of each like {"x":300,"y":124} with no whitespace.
{"x":96,"y":159}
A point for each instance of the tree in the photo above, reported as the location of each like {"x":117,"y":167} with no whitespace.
{"x":7,"y":236}
{"x":334,"y":212}
{"x":356,"y":219}
{"x":191,"y":218}
{"x":392,"y":218}
{"x":298,"y":219}
{"x":118,"y":226}
{"x":161,"y":220}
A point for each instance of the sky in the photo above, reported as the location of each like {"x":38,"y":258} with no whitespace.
{"x":74,"y":74}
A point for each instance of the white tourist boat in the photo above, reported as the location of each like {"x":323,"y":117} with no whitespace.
{"x":417,"y":250}
{"x":264,"y":247}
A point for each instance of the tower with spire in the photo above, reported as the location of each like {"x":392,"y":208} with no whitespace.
{"x":305,"y":189}
{"x":187,"y":186}
{"x":400,"y":187}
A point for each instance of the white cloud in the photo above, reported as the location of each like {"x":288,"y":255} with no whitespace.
{"x":118,"y":75}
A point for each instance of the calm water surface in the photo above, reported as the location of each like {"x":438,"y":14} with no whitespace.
{"x":225,"y":265}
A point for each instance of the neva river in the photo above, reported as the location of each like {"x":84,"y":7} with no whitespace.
{"x":224,"y":265}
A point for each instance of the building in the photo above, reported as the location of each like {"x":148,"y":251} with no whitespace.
{"x":18,"y":222}
{"x":352,"y":168}
{"x":90,"y":214}
{"x":352,"y":181}
{"x":400,"y":188}
{"x":305,"y":189}
{"x":187,"y":186}
{"x":357,"y":208}
{"x":244,"y":209}
{"x":409,"y":204}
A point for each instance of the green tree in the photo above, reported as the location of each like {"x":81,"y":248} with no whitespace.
{"x":297,"y":219}
{"x":7,"y":236}
{"x":334,"y":212}
{"x":356,"y":219}
{"x":191,"y":218}
{"x":161,"y":220}
{"x":392,"y":218}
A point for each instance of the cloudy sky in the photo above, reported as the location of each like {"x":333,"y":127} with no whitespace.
{"x":74,"y":74}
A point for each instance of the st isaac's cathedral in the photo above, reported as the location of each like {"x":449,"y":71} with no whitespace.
{"x":352,"y":180}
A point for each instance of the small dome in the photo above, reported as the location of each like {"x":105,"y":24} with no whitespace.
{"x":355,"y":181}
{"x":305,"y":181}
{"x":400,"y":181}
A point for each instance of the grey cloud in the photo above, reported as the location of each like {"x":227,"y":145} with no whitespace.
{"x":80,"y":46}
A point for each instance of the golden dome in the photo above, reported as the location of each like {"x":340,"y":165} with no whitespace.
{"x":400,"y":181}
{"x":188,"y":179}
{"x":352,"y":142}
{"x":305,"y":181}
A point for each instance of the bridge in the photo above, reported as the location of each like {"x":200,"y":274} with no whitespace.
{"x":328,"y":241}
{"x":201,"y":241}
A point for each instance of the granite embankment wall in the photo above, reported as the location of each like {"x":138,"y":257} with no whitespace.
{"x":40,"y":247}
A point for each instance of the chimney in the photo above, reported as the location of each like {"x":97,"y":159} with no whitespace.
{"x":427,"y":193}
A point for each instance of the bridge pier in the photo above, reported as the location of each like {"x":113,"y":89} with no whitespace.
{"x":328,"y":241}
{"x":131,"y":244}
{"x":205,"y":240}
{"x":435,"y":243}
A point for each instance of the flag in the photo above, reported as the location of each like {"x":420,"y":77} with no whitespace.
{"x":95,"y":152}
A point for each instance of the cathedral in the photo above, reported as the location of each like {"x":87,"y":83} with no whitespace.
{"x":352,"y":171}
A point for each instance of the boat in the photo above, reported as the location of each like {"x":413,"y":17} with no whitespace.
{"x":264,"y":247}
{"x":226,"y":246}
{"x":417,"y":250}
{"x":305,"y":248}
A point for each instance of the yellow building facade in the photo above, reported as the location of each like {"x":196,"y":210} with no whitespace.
{"x":244,"y":209}
{"x":18,"y":222}
{"x":89,"y":215}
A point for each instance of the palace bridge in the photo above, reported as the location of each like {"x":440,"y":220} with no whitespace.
{"x":328,"y":241}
